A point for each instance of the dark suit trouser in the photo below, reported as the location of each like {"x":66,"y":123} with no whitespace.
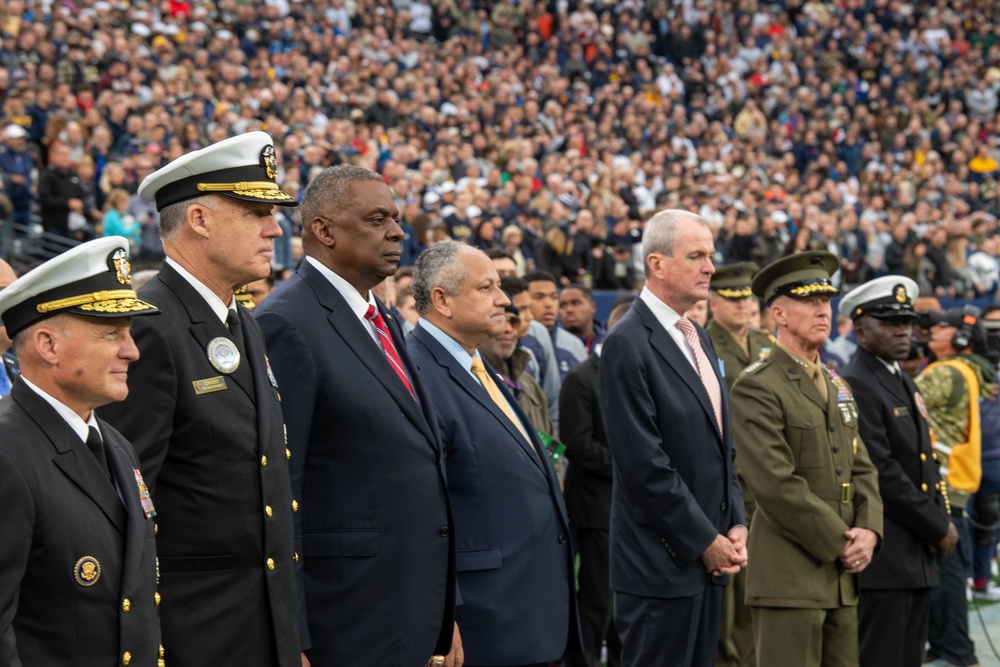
{"x":948,"y":632}
{"x":594,"y":599}
{"x":892,"y":626}
{"x":680,"y":632}
{"x":806,"y":637}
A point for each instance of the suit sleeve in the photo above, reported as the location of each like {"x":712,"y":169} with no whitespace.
{"x":295,"y":372}
{"x":769,"y":469}
{"x":578,"y":405}
{"x":643,"y":466}
{"x":902,"y":500}
{"x":18,"y":518}
{"x":146,"y":417}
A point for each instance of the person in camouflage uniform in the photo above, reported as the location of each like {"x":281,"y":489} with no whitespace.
{"x":951,"y":387}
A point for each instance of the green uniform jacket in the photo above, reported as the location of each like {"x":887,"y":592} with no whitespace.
{"x":797,"y":452}
{"x":733,"y":359}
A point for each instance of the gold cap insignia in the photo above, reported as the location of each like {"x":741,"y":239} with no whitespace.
{"x":119,"y":264}
{"x":270,"y":161}
{"x":900,"y":293}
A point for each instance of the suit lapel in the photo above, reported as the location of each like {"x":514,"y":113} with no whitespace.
{"x":206,"y":326}
{"x":667,"y":348}
{"x":352,"y":331}
{"x":125,"y":473}
{"x":887,"y":379}
{"x":72,"y":456}
{"x":257,"y":365}
{"x":476,"y":391}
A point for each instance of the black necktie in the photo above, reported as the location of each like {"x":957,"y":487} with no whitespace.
{"x":96,"y":446}
{"x":236,"y":331}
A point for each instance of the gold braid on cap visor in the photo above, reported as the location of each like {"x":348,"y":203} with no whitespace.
{"x":106,"y":301}
{"x":739,"y":293}
{"x":258,"y":189}
{"x":814,"y":288}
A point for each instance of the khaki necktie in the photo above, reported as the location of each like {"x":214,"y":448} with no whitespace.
{"x":491,"y":388}
{"x":816,"y":371}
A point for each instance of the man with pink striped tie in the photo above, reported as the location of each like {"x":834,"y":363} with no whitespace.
{"x":677,"y":521}
{"x":373,"y":526}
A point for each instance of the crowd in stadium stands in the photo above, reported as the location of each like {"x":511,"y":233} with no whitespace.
{"x":865,"y":127}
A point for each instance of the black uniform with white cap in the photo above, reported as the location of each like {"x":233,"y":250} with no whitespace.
{"x":77,"y":552}
{"x":896,"y":587}
{"x":205,"y":417}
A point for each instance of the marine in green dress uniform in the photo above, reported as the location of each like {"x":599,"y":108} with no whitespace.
{"x":819,"y":516}
{"x":737,"y":345}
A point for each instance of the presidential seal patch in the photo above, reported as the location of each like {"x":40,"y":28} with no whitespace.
{"x":87,"y":571}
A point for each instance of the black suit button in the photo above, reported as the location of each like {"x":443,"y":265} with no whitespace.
{"x":840,"y":471}
{"x":835,"y":449}
{"x":562,"y":539}
{"x":444,"y":532}
{"x":832,"y":428}
{"x":723,"y":506}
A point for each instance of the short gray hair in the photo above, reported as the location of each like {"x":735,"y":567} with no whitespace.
{"x":438,"y":266}
{"x":329,"y":191}
{"x":661,"y":233}
{"x":172,"y":216}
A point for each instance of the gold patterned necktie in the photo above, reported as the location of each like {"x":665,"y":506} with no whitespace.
{"x":491,"y":388}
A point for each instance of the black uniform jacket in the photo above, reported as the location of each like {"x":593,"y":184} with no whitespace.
{"x":77,"y":553}
{"x":213,"y":452}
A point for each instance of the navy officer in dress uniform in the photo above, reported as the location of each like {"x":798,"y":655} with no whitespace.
{"x":896,"y":589}
{"x":819,"y":516}
{"x":77,"y":556}
{"x":205,"y":418}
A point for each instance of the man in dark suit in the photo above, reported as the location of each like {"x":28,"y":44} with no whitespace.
{"x":895,"y":600}
{"x":374,"y":527}
{"x":588,"y":504}
{"x":677,"y":512}
{"x":513,"y":553}
{"x":77,"y":556}
{"x":205,"y":418}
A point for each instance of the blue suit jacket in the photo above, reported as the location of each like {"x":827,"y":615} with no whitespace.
{"x":513,"y":553}
{"x":376,"y":577}
{"x":675,"y":486}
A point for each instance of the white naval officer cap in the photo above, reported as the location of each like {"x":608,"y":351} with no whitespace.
{"x":92,"y":279}
{"x":884,"y":298}
{"x":243,"y":167}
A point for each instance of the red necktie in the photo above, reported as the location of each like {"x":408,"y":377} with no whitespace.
{"x":704,"y":366}
{"x":387,"y":346}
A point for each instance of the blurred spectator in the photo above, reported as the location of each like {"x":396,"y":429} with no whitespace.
{"x":17,"y":168}
{"x":117,"y":221}
{"x":60,"y":194}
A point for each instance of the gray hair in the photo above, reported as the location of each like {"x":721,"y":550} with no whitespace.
{"x":438,"y":266}
{"x":172,"y":216}
{"x":661,"y":233}
{"x":329,"y":191}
